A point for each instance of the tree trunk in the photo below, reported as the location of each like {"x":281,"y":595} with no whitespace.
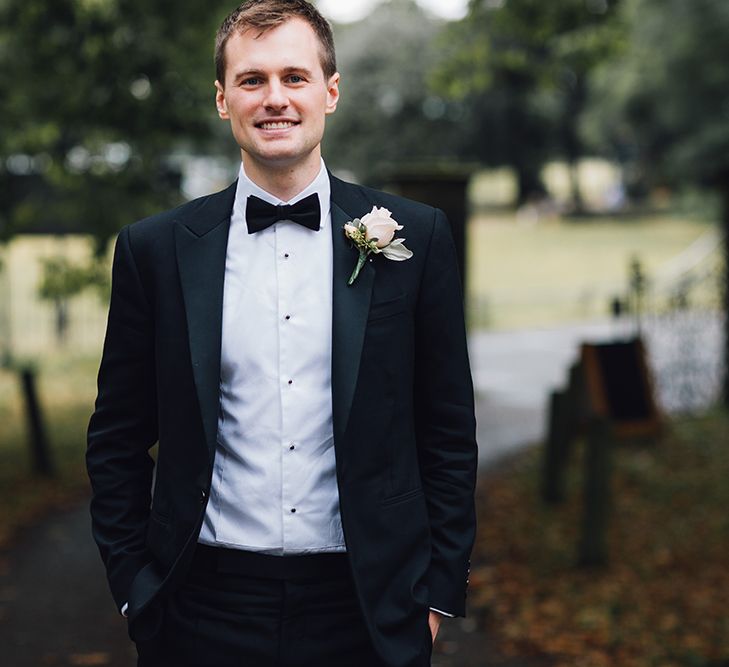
{"x":570,"y":137}
{"x":61,"y":308}
{"x":529,"y":183}
{"x":577,"y":203}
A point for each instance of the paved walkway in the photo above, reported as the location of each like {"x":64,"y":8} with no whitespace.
{"x":513,"y":374}
{"x":55,"y":609}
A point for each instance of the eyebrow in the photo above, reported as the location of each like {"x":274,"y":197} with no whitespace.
{"x":286,"y":70}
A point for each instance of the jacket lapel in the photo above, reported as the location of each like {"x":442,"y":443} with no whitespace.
{"x":201,"y":239}
{"x":350,"y":303}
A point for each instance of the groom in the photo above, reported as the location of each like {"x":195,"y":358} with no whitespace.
{"x":311,"y":501}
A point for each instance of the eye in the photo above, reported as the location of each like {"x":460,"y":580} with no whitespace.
{"x":295,"y":78}
{"x":250,"y":81}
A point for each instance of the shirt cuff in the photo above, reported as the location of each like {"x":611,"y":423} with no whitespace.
{"x":442,"y":613}
{"x":123,"y":610}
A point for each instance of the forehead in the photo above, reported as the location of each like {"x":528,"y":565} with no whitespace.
{"x":291,"y":44}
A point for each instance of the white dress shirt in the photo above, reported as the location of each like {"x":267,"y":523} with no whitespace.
{"x":274,"y":486}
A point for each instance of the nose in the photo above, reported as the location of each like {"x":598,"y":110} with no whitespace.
{"x":276,"y":97}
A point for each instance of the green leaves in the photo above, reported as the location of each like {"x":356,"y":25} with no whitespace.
{"x":520,"y":69}
{"x":62,"y":279}
{"x":668,"y":94}
{"x":97,"y":95}
{"x":388,"y":114}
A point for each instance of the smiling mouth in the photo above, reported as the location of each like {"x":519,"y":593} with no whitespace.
{"x":276,"y":125}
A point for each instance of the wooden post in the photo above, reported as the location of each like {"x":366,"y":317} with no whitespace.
{"x":592,"y":549}
{"x":568,"y":412}
{"x":555,"y":448}
{"x":40,"y":454}
{"x":578,"y":409}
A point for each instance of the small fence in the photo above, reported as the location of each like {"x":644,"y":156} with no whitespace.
{"x":680,"y":314}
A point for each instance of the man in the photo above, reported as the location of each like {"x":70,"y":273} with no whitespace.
{"x":312,"y":497}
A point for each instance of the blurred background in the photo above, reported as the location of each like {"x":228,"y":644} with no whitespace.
{"x":581,"y":151}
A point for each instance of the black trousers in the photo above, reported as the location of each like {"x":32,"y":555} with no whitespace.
{"x":241,"y":609}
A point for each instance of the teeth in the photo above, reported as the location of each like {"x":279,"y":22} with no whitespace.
{"x":277,"y":126}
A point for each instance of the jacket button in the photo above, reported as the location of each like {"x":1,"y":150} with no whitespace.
{"x":203,"y":495}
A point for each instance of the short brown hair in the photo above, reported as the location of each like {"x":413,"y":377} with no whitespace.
{"x":265,"y":15}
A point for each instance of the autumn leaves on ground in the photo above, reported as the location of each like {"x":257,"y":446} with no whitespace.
{"x":662,"y":601}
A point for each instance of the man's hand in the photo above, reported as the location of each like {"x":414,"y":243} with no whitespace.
{"x":434,"y":619}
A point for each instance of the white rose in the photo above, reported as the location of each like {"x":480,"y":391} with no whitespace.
{"x":380,"y":225}
{"x":375,"y":233}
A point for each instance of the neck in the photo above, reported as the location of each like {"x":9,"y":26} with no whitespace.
{"x":282,"y":181}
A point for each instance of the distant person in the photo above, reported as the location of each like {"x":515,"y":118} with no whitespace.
{"x":305,"y":373}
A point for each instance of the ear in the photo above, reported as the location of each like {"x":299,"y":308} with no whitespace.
{"x":220,"y":102}
{"x":332,"y":93}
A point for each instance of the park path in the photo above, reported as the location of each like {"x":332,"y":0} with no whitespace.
{"x":55,"y":608}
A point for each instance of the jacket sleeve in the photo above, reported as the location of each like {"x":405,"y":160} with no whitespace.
{"x":445,"y":421}
{"x":123,"y":427}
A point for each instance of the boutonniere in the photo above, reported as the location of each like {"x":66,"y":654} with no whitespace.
{"x":375,"y":232}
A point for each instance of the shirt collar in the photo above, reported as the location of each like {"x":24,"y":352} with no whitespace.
{"x":320,"y":185}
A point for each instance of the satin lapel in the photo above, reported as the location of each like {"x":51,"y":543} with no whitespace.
{"x":350,"y":307}
{"x":201,"y":239}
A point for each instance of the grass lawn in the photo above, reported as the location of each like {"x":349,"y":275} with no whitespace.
{"x":552,"y":272}
{"x":519,"y":275}
{"x":661,"y":602}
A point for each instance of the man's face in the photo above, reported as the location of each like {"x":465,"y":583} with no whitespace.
{"x":276,"y":95}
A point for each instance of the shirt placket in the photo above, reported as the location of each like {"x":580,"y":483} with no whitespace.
{"x":288,"y":385}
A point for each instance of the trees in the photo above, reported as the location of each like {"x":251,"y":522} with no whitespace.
{"x":521,"y":66}
{"x":95,"y":95}
{"x":388,"y":114}
{"x":664,"y":103}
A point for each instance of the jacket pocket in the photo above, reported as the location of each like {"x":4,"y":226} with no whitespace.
{"x":401,"y":497}
{"x":159,"y":517}
{"x":387,"y":308}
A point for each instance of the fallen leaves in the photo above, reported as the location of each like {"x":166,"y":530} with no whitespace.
{"x":89,"y":659}
{"x":662,"y":600}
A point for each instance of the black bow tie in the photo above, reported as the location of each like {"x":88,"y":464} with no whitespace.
{"x":260,"y":214}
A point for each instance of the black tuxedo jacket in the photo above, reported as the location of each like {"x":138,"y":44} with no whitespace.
{"x":403,"y":413}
